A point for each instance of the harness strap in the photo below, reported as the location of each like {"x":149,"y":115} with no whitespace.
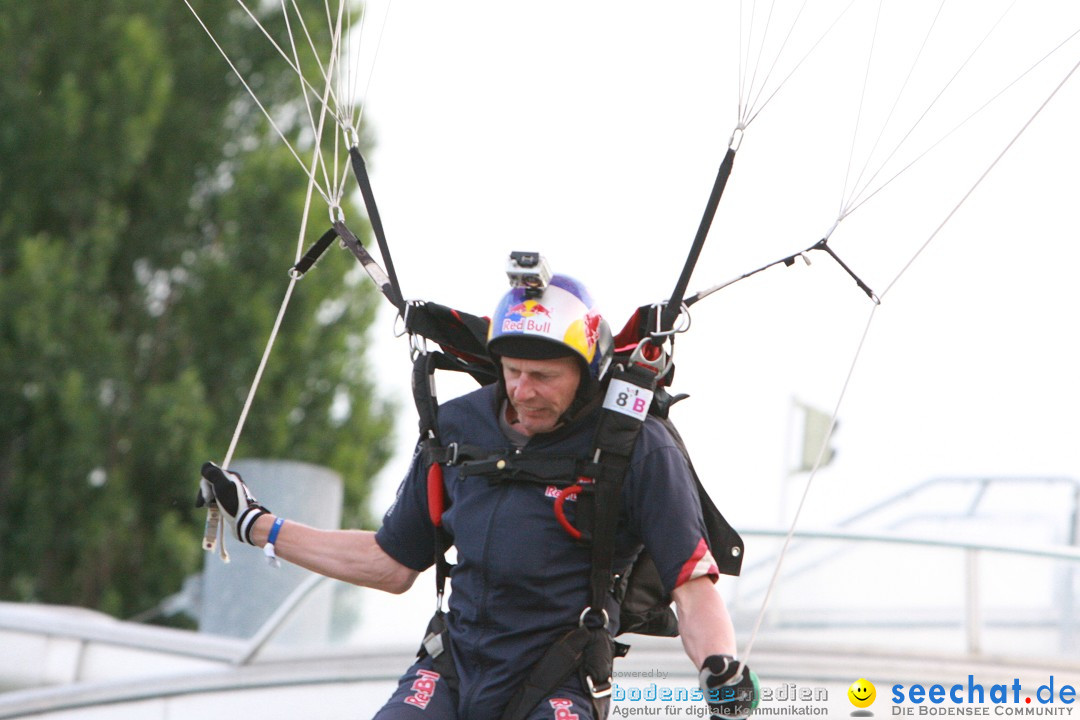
{"x":579,"y":647}
{"x":463,"y":337}
{"x":509,"y":465}
{"x":456,"y":453}
{"x":626,"y":406}
{"x":427,"y":408}
{"x":436,"y":645}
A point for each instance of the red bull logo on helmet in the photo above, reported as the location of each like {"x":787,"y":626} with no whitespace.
{"x":529,"y":316}
{"x":592,"y":328}
{"x":527,"y":309}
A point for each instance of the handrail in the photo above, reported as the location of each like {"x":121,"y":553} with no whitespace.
{"x":281,"y":614}
{"x":984,"y":482}
{"x":1059,"y":552}
{"x":971,"y":549}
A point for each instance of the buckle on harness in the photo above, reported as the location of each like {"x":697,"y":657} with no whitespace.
{"x":660,"y":364}
{"x":433,"y":644}
{"x":602,"y":691}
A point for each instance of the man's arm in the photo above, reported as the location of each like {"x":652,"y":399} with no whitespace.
{"x":731,"y":689}
{"x":349,"y":555}
{"x":704,"y":623}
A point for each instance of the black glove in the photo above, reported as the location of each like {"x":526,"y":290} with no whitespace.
{"x":232,"y":496}
{"x":731,"y":688}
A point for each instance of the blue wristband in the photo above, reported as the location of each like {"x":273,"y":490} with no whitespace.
{"x":268,"y":549}
{"x":274,"y":530}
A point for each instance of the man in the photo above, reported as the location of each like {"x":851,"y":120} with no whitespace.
{"x":521,"y":581}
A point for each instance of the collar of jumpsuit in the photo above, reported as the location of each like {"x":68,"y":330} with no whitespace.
{"x":539,"y":392}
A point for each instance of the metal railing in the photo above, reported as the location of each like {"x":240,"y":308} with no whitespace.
{"x":972,"y":552}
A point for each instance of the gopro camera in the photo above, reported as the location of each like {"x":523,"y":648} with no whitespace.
{"x":528,"y":270}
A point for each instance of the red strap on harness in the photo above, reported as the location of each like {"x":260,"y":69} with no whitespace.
{"x":436,"y":494}
{"x":560,"y":514}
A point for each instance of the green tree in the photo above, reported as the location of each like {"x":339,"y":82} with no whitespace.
{"x":147,"y":220}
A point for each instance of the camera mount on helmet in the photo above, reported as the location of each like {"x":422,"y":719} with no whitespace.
{"x":528,"y":270}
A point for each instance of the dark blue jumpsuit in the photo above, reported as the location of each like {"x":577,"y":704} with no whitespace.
{"x":520,"y":582}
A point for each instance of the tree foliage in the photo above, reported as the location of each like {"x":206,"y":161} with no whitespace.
{"x":147,"y":220}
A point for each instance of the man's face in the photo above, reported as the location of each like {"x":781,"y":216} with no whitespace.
{"x":540,"y":391}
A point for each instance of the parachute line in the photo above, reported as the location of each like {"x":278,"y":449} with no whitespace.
{"x":255,"y":98}
{"x":853,"y":200}
{"x":744,"y":656}
{"x":959,"y":125}
{"x":896,"y":103}
{"x":776,"y":59}
{"x":750,"y":114}
{"x":303,"y":86}
{"x":982,"y":177}
{"x":862,"y":102}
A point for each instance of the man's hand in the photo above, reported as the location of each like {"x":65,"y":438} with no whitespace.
{"x":232,"y":496}
{"x":731,"y":688}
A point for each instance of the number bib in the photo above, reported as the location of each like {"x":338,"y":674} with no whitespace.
{"x":628,"y":399}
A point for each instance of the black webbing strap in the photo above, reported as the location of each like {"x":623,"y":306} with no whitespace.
{"x":616,"y":434}
{"x":427,"y":404}
{"x":427,"y":409}
{"x":314,"y":253}
{"x":387,"y":280}
{"x":360,"y":171}
{"x":551,"y":671}
{"x":372,"y":268}
{"x":525,"y":466}
{"x":339,"y":229}
{"x":460,"y":333}
{"x":674,"y":305}
{"x":436,"y":645}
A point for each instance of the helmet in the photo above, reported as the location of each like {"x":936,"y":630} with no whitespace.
{"x":559,"y":320}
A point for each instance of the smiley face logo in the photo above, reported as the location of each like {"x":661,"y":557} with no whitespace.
{"x":862,"y":693}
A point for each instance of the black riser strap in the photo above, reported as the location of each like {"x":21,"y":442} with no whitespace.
{"x":674,"y":305}
{"x":372,"y":268}
{"x":314,"y":253}
{"x":360,"y":171}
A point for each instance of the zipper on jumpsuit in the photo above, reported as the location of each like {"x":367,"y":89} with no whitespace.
{"x":483,"y":613}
